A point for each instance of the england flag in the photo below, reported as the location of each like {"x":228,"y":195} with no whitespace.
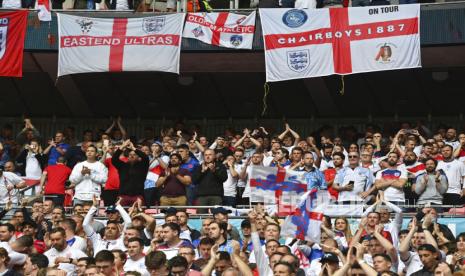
{"x":223,"y":29}
{"x":305,"y":223}
{"x":119,"y":44}
{"x":320,"y":42}
{"x":276,"y":186}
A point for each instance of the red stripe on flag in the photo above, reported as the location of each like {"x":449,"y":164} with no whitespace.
{"x":117,"y":51}
{"x":342,"y":57}
{"x":391,"y":28}
{"x":316,"y":216}
{"x":220,"y":21}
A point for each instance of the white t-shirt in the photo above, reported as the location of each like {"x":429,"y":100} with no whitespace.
{"x":413,"y":264}
{"x":324,"y":165}
{"x":80,"y":244}
{"x":6,"y":179}
{"x":240,"y":183}
{"x":88,"y":185}
{"x":138,"y":266}
{"x":247,"y":185}
{"x":454,"y":144}
{"x":15,"y":257}
{"x":229,"y":186}
{"x":454,"y":170}
{"x":33,"y":169}
{"x":391,"y":193}
{"x":68,"y":252}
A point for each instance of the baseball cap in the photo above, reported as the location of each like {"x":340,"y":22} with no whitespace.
{"x":221,"y":210}
{"x":329,"y":258}
{"x":111,"y":209}
{"x":170,"y":210}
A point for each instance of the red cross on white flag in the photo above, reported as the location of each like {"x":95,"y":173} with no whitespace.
{"x":119,"y":44}
{"x":311,"y":43}
{"x":223,"y":29}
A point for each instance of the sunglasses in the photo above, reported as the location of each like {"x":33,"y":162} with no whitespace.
{"x":353,"y":156}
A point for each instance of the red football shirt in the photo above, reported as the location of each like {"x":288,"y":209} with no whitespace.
{"x":56,"y":178}
{"x":330,"y":174}
{"x":113,"y":176}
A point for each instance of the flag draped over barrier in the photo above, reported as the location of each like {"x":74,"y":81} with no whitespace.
{"x":319,"y":42}
{"x":223,"y":29}
{"x":12,"y":33}
{"x":119,"y":44}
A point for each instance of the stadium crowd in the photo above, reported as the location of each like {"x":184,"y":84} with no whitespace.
{"x":110,"y":170}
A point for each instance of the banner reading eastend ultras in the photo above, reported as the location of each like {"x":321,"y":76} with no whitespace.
{"x":119,"y":44}
{"x":321,"y":42}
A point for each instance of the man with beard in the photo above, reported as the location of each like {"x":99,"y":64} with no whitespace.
{"x":172,"y":183}
{"x":392,"y":180}
{"x":330,"y":174}
{"x":61,"y":254}
{"x":431,"y":185}
{"x":451,"y":138}
{"x":414,"y":169}
{"x":455,"y":172}
{"x":353,"y":182}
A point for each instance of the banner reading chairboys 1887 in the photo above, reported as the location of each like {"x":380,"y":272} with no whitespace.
{"x":321,"y":42}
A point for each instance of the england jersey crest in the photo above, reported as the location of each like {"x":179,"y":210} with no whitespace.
{"x":299,"y":60}
{"x":154,"y":24}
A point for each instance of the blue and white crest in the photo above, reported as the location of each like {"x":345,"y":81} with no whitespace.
{"x":295,"y":18}
{"x":236,"y":40}
{"x":299,"y":60}
{"x":198,"y":31}
{"x":154,"y":24}
{"x":3,"y":33}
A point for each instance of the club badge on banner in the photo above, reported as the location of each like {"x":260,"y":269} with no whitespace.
{"x":119,"y":44}
{"x":320,"y":42}
{"x":12,"y":33}
{"x":223,"y":29}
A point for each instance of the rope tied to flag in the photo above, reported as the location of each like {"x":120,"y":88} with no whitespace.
{"x":266,"y":89}
{"x":341,"y":92}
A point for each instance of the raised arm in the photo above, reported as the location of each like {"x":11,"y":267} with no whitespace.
{"x":110,"y":128}
{"x":295,"y":135}
{"x":369,"y":271}
{"x":404,"y":247}
{"x":427,"y":222}
{"x":124,"y":215}
{"x":283,"y":134}
{"x":214,"y":257}
{"x":388,"y":246}
{"x":239,"y":142}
